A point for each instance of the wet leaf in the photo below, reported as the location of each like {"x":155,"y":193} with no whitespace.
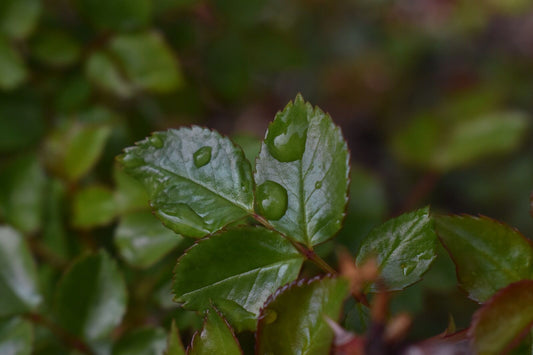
{"x":216,"y":337}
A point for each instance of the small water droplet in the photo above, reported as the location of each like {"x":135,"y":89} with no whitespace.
{"x":287,"y":134}
{"x":202,"y":156}
{"x":270,"y":316}
{"x":156,"y":141}
{"x":318,"y":184}
{"x":271,"y":200}
{"x":408,"y":268}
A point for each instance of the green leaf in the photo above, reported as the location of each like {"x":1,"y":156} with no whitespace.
{"x":55,"y":48}
{"x":216,"y":337}
{"x":404,"y":248}
{"x":243,"y":266}
{"x":292,"y":321}
{"x":119,"y":15}
{"x":504,"y":319}
{"x":16,"y":336}
{"x":101,"y":71}
{"x":488,"y":255}
{"x":18,"y":18}
{"x":91,"y":297}
{"x":198,"y":181}
{"x":145,"y":341}
{"x":74,"y":148}
{"x":93,"y":206}
{"x":147,"y":61}
{"x":305,"y":157}
{"x":142,"y":240}
{"x":130,"y":194}
{"x":13,"y":71}
{"x":55,"y":236}
{"x":22,"y":185}
{"x":21,"y":122}
{"x":18,"y":275}
{"x":174,"y":345}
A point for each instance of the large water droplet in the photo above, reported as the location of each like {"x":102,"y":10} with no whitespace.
{"x":288,"y":132}
{"x":270,"y":316}
{"x":156,"y":141}
{"x":271,"y":200}
{"x":202,"y":156}
{"x":318,"y":184}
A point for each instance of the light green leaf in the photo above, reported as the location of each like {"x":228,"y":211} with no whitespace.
{"x":147,"y":61}
{"x":216,"y":337}
{"x":93,"y":206}
{"x":145,"y":341}
{"x":198,"y":181}
{"x":243,"y":266}
{"x":101,"y":71}
{"x":504,"y":319}
{"x":91,"y":297}
{"x":404,"y":248}
{"x":488,"y":255}
{"x":13,"y":71}
{"x":18,"y":18}
{"x":18,"y":275}
{"x":55,"y":48}
{"x":22,"y":185}
{"x":142,"y":240}
{"x":130,"y":194}
{"x":16,"y":336}
{"x":74,"y":148}
{"x":118,"y":15}
{"x":174,"y":345}
{"x":293,"y":321}
{"x":302,"y":174}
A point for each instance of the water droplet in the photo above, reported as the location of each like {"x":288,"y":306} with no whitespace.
{"x":202,"y":156}
{"x":156,"y":141}
{"x":270,"y":316}
{"x":318,"y":184}
{"x":288,"y":132}
{"x":408,"y":268}
{"x":271,"y":200}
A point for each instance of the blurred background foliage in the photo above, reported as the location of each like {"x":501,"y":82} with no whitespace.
{"x":433,"y":96}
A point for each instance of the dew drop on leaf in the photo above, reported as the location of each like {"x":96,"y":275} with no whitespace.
{"x":318,"y":184}
{"x":202,"y":156}
{"x":156,"y":141}
{"x":271,"y":200}
{"x":408,"y":268}
{"x":270,"y":316}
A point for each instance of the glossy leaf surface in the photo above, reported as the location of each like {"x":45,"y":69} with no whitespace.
{"x":306,"y":155}
{"x":216,"y":337}
{"x":16,"y":336}
{"x":504,"y":318}
{"x":91,"y":297}
{"x":193,"y":201}
{"x":174,"y":345}
{"x":404,"y":248}
{"x":488,"y":255}
{"x":236,"y":267}
{"x":293,"y":322}
{"x":142,"y":240}
{"x":93,"y":206}
{"x":19,"y":291}
{"x":145,"y":341}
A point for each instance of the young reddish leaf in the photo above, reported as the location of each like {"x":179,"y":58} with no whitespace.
{"x":216,"y":337}
{"x":404,"y":248}
{"x":488,"y":254}
{"x":198,"y":181}
{"x":504,"y":319}
{"x":293,"y":320}
{"x":237,"y":269}
{"x":302,"y":174}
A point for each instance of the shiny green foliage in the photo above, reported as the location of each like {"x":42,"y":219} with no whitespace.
{"x":236,"y":270}
{"x":488,"y":254}
{"x":293,"y":321}
{"x":216,"y":336}
{"x":174,"y":345}
{"x":404,"y":248}
{"x":305,"y":154}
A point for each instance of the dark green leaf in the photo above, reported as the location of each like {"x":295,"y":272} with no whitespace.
{"x":19,"y":17}
{"x":191,"y":194}
{"x":55,"y":48}
{"x":142,"y":240}
{"x":91,"y":297}
{"x":16,"y":337}
{"x":13,"y":71}
{"x":488,"y":255}
{"x":293,"y":322}
{"x":174,"y":345}
{"x":117,"y":15}
{"x":21,"y":124}
{"x":18,"y":275}
{"x":305,"y":155}
{"x":146,"y":341}
{"x":404,"y":248}
{"x":506,"y":317}
{"x":54,"y":228}
{"x":93,"y":206}
{"x":242,"y":266}
{"x":216,"y":337}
